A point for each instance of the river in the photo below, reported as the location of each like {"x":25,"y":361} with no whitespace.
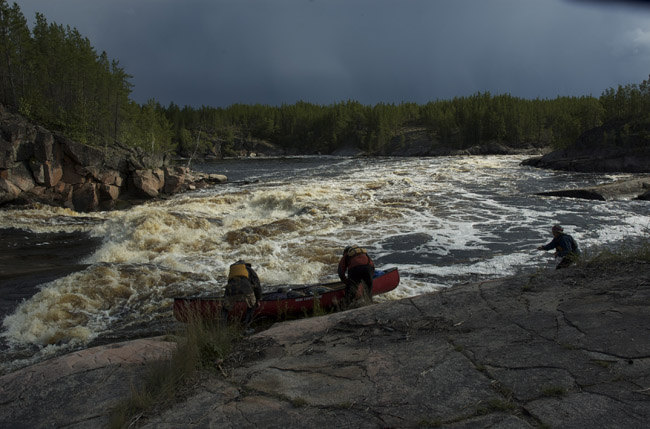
{"x":70,"y":280}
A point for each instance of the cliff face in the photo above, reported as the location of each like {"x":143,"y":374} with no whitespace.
{"x":559,"y":348}
{"x":37,"y":165}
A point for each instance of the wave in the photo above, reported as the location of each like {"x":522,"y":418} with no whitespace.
{"x":442,"y":221}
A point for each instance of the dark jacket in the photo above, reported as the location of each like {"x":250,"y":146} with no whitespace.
{"x":563,"y":245}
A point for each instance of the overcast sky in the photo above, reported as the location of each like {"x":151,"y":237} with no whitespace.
{"x":220,"y":52}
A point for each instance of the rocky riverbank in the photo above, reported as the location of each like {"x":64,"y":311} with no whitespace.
{"x":564,"y":348}
{"x":40,"y":166}
{"x":616,"y":146}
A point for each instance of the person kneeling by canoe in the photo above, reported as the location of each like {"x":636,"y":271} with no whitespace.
{"x":359,"y":267}
{"x":565,"y":247}
{"x":243,"y":285}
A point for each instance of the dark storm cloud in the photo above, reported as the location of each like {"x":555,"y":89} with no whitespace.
{"x":324,"y":51}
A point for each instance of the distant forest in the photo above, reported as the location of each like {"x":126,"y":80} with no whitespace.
{"x":53,"y":75}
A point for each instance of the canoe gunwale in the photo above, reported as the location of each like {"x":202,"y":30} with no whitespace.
{"x":210,"y":306}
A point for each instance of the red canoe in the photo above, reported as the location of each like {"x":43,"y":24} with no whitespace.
{"x":285,"y":301}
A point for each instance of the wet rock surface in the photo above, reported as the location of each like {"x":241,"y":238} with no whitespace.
{"x":565,"y":348}
{"x":621,"y":189}
{"x":595,"y":160}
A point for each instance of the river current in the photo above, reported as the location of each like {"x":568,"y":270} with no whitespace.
{"x":441,"y":221}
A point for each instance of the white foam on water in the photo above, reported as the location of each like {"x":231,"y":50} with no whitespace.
{"x":440,"y":220}
{"x":74,"y":309}
{"x":43,"y":218}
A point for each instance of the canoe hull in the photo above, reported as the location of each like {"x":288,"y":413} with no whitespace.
{"x":295,"y":301}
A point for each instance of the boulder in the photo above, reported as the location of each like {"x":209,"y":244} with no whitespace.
{"x":70,"y":173}
{"x":116,"y":157}
{"x":80,"y":153}
{"x":6,"y":163}
{"x":153,"y":161}
{"x":217,"y":178}
{"x":53,"y":173}
{"x":15,"y":151}
{"x":84,"y":197}
{"x":8,"y":191}
{"x":134,"y":164}
{"x":620,"y":189}
{"x":644,"y":196}
{"x":21,"y":176}
{"x":44,"y":146}
{"x":147,"y":183}
{"x":111,"y":177}
{"x":47,"y":173}
{"x":15,"y":131}
{"x":64,"y":190}
{"x":109,"y":192}
{"x":38,"y":170}
{"x":92,"y":171}
{"x":174,"y":180}
{"x":37,"y":191}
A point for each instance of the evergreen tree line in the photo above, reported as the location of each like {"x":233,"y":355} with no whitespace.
{"x":54,"y":76}
{"x":457,"y":124}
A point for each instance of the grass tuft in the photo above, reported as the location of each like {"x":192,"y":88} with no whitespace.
{"x":199,"y":345}
{"x":630,"y":249}
{"x":554,"y":391}
{"x":299,"y":402}
{"x":428,"y":423}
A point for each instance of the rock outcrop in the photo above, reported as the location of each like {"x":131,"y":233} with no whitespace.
{"x":595,"y":160}
{"x":37,"y":165}
{"x":616,"y":146}
{"x":565,"y":348}
{"x":621,"y":189}
{"x":79,"y":389}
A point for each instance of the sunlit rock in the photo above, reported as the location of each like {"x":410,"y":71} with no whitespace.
{"x":147,"y":183}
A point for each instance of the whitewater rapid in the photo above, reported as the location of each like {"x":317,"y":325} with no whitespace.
{"x":441,"y":221}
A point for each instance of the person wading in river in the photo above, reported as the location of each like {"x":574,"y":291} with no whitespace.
{"x":359,"y":267}
{"x":243,"y":285}
{"x":565,"y":247}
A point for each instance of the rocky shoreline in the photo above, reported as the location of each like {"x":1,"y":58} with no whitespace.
{"x":565,"y":348}
{"x":615,"y":146}
{"x":40,"y":166}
